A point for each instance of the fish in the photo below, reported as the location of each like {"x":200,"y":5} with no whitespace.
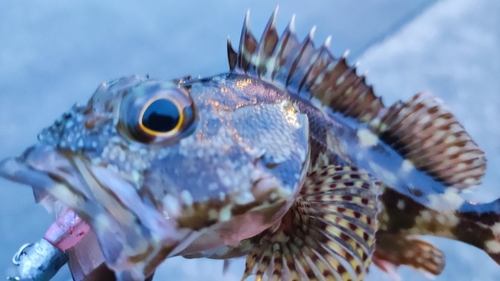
{"x":289,"y":159}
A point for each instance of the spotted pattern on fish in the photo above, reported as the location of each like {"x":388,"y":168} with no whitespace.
{"x":417,"y":149}
{"x":289,"y":158}
{"x":394,"y":250}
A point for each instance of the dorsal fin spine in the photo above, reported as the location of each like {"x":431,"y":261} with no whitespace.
{"x":304,"y":70}
{"x":301,"y":57}
{"x":286,"y":42}
{"x":266,"y":45}
{"x":248,"y":43}
{"x":356,"y":92}
{"x":330,"y":75}
{"x":321,"y":61}
{"x":232,"y":56}
{"x":421,"y":124}
{"x":306,"y":77}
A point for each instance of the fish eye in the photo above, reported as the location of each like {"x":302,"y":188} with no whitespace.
{"x":161,"y":116}
{"x":157,"y":112}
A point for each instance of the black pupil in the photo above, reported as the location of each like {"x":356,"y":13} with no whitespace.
{"x":161,"y":116}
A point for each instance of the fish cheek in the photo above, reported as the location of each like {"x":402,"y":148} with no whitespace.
{"x":194,"y":187}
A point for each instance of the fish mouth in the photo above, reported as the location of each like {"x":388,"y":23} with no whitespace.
{"x":132,"y":236}
{"x":33,"y":168}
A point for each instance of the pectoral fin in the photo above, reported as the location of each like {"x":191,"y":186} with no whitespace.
{"x":328,"y":234}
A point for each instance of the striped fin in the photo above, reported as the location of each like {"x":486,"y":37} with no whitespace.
{"x":303,"y":69}
{"x":393,"y":250}
{"x":432,"y":140}
{"x":421,"y":130}
{"x":328,"y":234}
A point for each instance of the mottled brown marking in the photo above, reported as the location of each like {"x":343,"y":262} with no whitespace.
{"x":399,"y":219}
{"x":467,"y":231}
{"x":347,"y":197}
{"x":487,"y":218}
{"x":358,"y":269}
{"x":366,"y":236}
{"x":341,"y":270}
{"x":410,"y":251}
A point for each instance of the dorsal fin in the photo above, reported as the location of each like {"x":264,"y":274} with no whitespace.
{"x":303,"y":69}
{"x":442,"y":150}
{"x":432,"y":140}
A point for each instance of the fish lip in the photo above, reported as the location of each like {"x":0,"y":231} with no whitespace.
{"x":24,"y":170}
{"x":45,"y":168}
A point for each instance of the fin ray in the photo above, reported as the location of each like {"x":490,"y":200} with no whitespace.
{"x":397,"y":250}
{"x":421,"y":130}
{"x":432,"y":140}
{"x":300,"y":65}
{"x":321,"y":237}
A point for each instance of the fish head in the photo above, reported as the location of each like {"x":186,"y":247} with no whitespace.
{"x":156,"y":167}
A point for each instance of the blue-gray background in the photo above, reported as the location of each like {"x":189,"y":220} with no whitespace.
{"x":55,"y":53}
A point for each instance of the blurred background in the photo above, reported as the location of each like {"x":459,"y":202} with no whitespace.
{"x":55,"y":53}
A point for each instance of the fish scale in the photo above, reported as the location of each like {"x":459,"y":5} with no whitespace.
{"x":290,"y":158}
{"x":447,"y":153}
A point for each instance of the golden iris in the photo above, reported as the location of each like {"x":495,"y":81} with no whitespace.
{"x":157,"y":112}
